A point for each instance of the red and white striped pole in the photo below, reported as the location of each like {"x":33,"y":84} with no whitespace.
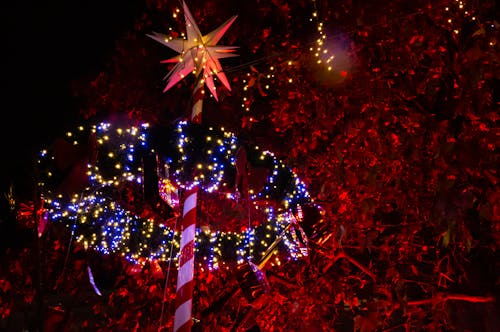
{"x":198,"y":94}
{"x":185,"y":282}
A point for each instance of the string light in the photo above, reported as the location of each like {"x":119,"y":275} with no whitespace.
{"x":320,"y":50}
{"x":258,"y":83}
{"x":105,"y":221}
{"x":455,"y":12}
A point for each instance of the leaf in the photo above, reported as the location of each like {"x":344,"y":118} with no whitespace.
{"x":5,"y":285}
{"x":418,"y":39}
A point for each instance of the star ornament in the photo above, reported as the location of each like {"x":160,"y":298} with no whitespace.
{"x":197,"y":53}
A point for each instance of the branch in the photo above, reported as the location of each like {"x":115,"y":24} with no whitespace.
{"x":442,"y":297}
{"x":348,"y":258}
{"x":357,"y":264}
{"x":272,"y":276}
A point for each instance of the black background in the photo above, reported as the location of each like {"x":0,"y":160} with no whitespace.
{"x":48,"y":45}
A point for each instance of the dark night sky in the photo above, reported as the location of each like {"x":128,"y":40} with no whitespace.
{"x":46,"y":45}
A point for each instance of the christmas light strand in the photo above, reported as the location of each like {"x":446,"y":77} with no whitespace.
{"x":106,"y":215}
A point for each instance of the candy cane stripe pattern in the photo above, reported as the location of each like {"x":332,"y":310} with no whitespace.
{"x":197,"y":102}
{"x":185,"y":282}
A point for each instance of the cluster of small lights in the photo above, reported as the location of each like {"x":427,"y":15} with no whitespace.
{"x":246,"y":249}
{"x":122,"y":157}
{"x":101,"y":222}
{"x":295,"y":239}
{"x":260,"y":83}
{"x":321,"y":52}
{"x":175,"y":15}
{"x":260,"y":80}
{"x":221,"y":245}
{"x":458,"y":11}
{"x":292,"y":195}
{"x":168,"y":192}
{"x":457,"y":7}
{"x":263,"y":80}
{"x":320,"y":49}
{"x":208,"y":173}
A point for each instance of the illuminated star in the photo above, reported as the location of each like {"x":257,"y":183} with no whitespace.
{"x":197,"y":53}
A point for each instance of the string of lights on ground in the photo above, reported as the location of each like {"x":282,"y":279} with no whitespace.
{"x":111,"y":215}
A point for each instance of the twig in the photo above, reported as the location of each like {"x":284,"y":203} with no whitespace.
{"x":392,"y":328}
{"x":355,"y":263}
{"x":272,"y":276}
{"x":442,"y":297}
{"x":351,"y":260}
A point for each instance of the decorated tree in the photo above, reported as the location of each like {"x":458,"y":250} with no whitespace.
{"x":376,"y":120}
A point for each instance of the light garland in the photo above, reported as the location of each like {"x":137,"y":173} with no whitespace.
{"x":322,"y":53}
{"x":320,"y":50}
{"x":103,"y":218}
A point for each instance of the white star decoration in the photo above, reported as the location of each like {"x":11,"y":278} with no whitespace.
{"x":197,"y":53}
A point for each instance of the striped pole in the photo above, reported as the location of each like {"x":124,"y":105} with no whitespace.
{"x":198,"y":93}
{"x":184,"y":296}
